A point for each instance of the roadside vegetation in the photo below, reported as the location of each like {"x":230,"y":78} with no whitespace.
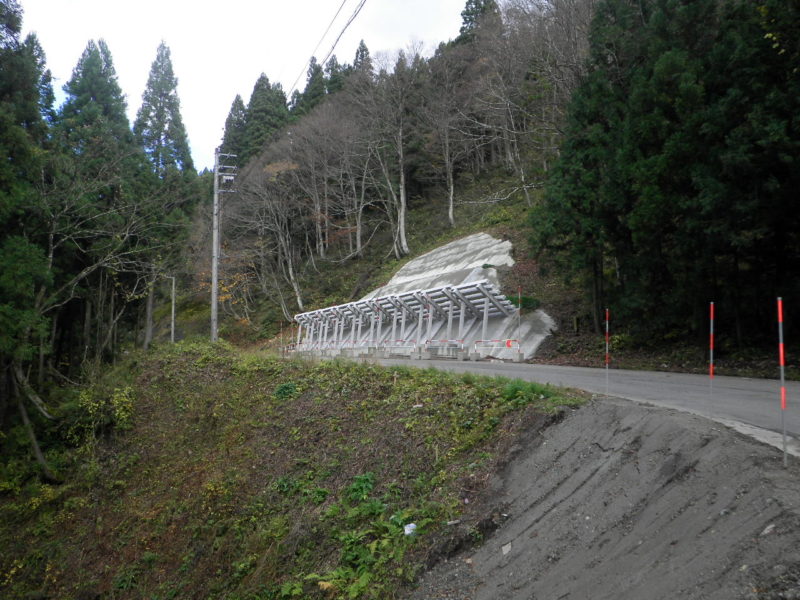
{"x":198,"y":470}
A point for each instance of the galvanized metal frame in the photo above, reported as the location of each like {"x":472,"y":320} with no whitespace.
{"x":476,"y":300}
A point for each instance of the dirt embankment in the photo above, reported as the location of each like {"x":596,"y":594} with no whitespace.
{"x":624,"y":501}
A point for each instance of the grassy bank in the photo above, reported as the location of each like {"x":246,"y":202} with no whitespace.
{"x":201,"y":471}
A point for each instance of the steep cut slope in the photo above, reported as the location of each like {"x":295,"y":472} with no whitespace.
{"x":624,"y":501}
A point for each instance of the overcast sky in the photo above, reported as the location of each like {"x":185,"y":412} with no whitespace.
{"x":220,"y":48}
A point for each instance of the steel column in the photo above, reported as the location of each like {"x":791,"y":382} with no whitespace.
{"x":485,"y":317}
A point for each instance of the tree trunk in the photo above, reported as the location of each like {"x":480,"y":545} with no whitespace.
{"x":148,"y":325}
{"x":5,"y":386}
{"x":47,"y":474}
{"x":87,"y":327}
{"x":40,"y":371}
{"x":401,"y":209}
{"x":450,"y":193}
{"x":21,"y":380}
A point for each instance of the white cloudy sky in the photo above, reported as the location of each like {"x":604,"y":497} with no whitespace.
{"x":220,"y":48}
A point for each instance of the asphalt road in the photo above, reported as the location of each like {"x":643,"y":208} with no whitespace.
{"x":751,"y":406}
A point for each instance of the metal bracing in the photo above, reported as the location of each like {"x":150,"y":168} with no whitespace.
{"x":340,"y":327}
{"x":491,"y":296}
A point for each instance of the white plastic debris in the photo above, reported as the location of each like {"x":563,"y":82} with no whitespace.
{"x":410,"y":529}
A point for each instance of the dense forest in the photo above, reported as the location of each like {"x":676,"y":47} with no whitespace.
{"x":92,"y":212}
{"x":678,"y":176}
{"x":654,"y":144}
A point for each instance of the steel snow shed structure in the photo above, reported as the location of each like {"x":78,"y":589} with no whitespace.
{"x":403,"y":322}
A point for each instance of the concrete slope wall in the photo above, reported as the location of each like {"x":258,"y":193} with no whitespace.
{"x":472,"y":258}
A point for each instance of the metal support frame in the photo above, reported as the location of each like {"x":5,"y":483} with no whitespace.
{"x":338,"y":327}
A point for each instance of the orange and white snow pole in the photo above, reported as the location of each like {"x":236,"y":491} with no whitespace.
{"x":608,"y":346}
{"x":711,"y":352}
{"x":782,"y":362}
{"x":519,"y":313}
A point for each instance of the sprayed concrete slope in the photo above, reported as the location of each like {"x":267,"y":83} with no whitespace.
{"x":621,"y":501}
{"x":471,"y":259}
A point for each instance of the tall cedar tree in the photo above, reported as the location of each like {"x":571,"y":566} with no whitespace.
{"x":95,"y":100}
{"x":313,"y":93}
{"x":235,"y":128}
{"x":334,"y":75}
{"x":362,"y":61}
{"x":473,"y":12}
{"x":23,"y":262}
{"x":267,"y":113}
{"x":22,"y":132}
{"x":104,"y":193}
{"x":159,"y":128}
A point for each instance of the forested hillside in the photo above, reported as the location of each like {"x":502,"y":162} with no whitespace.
{"x":333,"y":177}
{"x":648,"y":149}
{"x":92,"y":213}
{"x":678,"y":177}
{"x":653,"y":144}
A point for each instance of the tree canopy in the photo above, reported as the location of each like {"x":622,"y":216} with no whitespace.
{"x":159,"y":127}
{"x":266,"y":114}
{"x":677,"y":176}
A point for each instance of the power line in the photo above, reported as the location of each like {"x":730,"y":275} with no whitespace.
{"x":327,"y":29}
{"x":346,"y":25}
{"x":333,"y":47}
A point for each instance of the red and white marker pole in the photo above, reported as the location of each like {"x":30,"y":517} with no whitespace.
{"x":711,"y":353}
{"x":608,"y":347}
{"x":519,"y":314}
{"x":782,"y":361}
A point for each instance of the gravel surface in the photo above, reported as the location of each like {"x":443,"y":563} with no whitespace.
{"x":627,"y":501}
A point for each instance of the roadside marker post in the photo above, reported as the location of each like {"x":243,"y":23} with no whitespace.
{"x":711,"y":357}
{"x":782,"y":361}
{"x":519,"y":311}
{"x":608,"y":346}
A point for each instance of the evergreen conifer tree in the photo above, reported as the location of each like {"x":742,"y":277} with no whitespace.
{"x":314,"y":91}
{"x":362,"y":61}
{"x":159,"y":128}
{"x":334,"y":75}
{"x":94,"y":98}
{"x":47,"y":97}
{"x":266,"y":114}
{"x":22,"y":131}
{"x":473,"y":12}
{"x":235,"y":128}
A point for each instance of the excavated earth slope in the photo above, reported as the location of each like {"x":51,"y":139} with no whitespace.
{"x":626,"y":501}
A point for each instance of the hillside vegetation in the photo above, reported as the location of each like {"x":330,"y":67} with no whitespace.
{"x":201,"y":471}
{"x":646,"y":150}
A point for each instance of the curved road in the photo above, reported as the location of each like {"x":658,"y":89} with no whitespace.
{"x":751,"y":406}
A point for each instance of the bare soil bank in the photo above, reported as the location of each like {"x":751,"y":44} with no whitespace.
{"x":624,"y":501}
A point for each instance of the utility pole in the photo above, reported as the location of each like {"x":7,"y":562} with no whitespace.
{"x":223,"y":174}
